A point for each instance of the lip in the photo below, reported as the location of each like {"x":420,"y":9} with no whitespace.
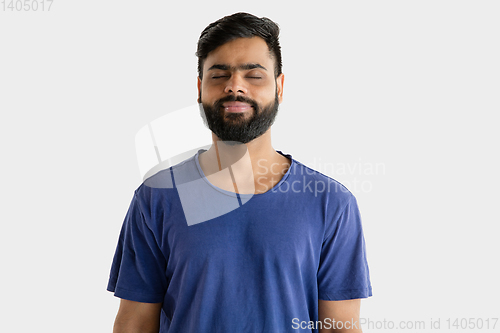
{"x":236,"y":107}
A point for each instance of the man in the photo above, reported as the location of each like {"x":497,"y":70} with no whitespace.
{"x":240,"y":238}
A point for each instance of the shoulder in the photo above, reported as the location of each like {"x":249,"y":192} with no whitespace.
{"x":320,"y":184}
{"x":166,"y":178}
{"x":163,"y":184}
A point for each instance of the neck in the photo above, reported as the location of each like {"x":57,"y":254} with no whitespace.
{"x":254,"y":167}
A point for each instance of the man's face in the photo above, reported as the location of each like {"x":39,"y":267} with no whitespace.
{"x":239,"y":93}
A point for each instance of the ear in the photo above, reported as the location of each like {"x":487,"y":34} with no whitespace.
{"x":279,"y":86}
{"x":199,"y":89}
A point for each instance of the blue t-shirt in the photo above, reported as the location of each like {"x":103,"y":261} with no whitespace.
{"x":226,"y":262}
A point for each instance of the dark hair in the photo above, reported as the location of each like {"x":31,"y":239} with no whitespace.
{"x":239,"y":25}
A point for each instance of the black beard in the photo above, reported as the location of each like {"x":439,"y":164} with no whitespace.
{"x":233,"y":127}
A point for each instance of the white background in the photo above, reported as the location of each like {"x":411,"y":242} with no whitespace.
{"x":411,"y":87}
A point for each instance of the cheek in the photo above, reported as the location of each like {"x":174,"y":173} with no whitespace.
{"x":266,"y":94}
{"x":207,"y":93}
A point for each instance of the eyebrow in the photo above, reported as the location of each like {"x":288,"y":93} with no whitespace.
{"x":225,"y":67}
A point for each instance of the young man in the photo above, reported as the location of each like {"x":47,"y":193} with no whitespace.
{"x":240,"y":238}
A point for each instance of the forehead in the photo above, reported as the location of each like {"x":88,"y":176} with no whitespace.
{"x":241,"y":51}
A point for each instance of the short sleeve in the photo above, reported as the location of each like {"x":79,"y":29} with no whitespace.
{"x":138,"y":269}
{"x":343,"y":271}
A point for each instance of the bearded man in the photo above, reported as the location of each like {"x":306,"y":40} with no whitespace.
{"x":240,"y":237}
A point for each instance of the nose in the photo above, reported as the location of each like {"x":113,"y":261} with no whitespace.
{"x":235,"y":85}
